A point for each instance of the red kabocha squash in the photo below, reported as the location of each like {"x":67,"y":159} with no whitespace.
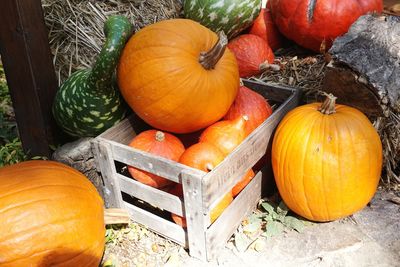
{"x":264,"y":27}
{"x":177,"y":75}
{"x":242,"y":183}
{"x":327,"y":160}
{"x":205,"y":157}
{"x":251,"y":104}
{"x":315,"y":24}
{"x":160,"y":144}
{"x":226,"y":135}
{"x":50,"y":215}
{"x":253,"y":54}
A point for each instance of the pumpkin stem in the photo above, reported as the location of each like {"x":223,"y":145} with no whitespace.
{"x":328,"y":107}
{"x":209,"y":167}
{"x":210,"y":58}
{"x":160,"y":136}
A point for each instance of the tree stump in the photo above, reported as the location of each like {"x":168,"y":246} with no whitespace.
{"x":79,"y":155}
{"x":365,"y":73}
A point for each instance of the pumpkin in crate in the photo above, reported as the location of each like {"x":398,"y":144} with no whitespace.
{"x":326,"y":160}
{"x":265,"y":27}
{"x":253,"y":54}
{"x":50,"y":215}
{"x":177,"y":75}
{"x":251,"y":104}
{"x":231,"y":17}
{"x":205,"y":157}
{"x":315,"y":24}
{"x":160,"y":144}
{"x":226,"y":135}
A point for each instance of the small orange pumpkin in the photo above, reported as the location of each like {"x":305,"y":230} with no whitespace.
{"x":158,"y":143}
{"x":327,"y":160}
{"x":177,"y":75}
{"x":50,"y":215}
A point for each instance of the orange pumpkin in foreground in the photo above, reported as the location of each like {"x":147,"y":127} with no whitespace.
{"x":178,"y":76}
{"x":50,"y":215}
{"x":327,"y":160}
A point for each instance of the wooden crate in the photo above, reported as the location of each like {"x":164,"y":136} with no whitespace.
{"x":202,"y":191}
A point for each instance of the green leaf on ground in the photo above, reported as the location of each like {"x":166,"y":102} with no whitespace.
{"x":294,"y":223}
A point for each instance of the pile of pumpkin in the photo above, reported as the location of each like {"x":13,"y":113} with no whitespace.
{"x":180,"y":78}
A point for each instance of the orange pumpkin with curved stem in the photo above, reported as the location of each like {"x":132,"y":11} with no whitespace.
{"x":177,"y":75}
{"x":50,"y":215}
{"x":327,"y":160}
{"x":226,"y":135}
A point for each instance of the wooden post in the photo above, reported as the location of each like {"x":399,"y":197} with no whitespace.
{"x":25,"y":51}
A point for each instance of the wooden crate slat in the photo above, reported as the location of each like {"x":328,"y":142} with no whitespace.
{"x":234,"y":166}
{"x":223,"y":228}
{"x":145,"y":161}
{"x":151,"y":195}
{"x":159,"y":225}
{"x":195,"y":220}
{"x":105,"y":163}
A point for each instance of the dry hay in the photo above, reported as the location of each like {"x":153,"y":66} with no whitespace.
{"x":76,"y":36}
{"x":76,"y":26}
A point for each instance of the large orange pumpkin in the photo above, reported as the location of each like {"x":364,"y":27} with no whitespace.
{"x":178,"y":76}
{"x":50,"y":215}
{"x":326,"y":160}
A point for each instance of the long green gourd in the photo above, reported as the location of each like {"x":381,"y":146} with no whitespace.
{"x":89,"y":102}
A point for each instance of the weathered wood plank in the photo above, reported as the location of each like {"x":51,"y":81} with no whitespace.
{"x":145,"y":161}
{"x":116,"y":216}
{"x":105,"y":163}
{"x":124,"y":131}
{"x":195,"y":219}
{"x":223,"y":228}
{"x":151,"y":195}
{"x":230,"y":171}
{"x":26,"y":56}
{"x":159,"y":225}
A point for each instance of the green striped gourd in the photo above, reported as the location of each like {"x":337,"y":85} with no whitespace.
{"x":229,"y":16}
{"x":89,"y":102}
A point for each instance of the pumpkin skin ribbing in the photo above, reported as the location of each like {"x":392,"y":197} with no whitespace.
{"x":231,"y":17}
{"x":50,"y":215}
{"x":163,"y":77}
{"x":326,"y":166}
{"x":88,"y":102}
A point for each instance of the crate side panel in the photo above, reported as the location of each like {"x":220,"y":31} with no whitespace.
{"x":159,"y":225}
{"x":151,"y":195}
{"x":223,"y":228}
{"x":145,"y":161}
{"x":230,"y":171}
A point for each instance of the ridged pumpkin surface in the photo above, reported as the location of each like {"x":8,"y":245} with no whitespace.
{"x":160,"y":76}
{"x":326,"y":166}
{"x":50,"y":215}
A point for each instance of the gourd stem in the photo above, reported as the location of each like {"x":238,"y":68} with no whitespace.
{"x":160,"y":136}
{"x":210,"y":58}
{"x":117,"y":30}
{"x":328,"y":106}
